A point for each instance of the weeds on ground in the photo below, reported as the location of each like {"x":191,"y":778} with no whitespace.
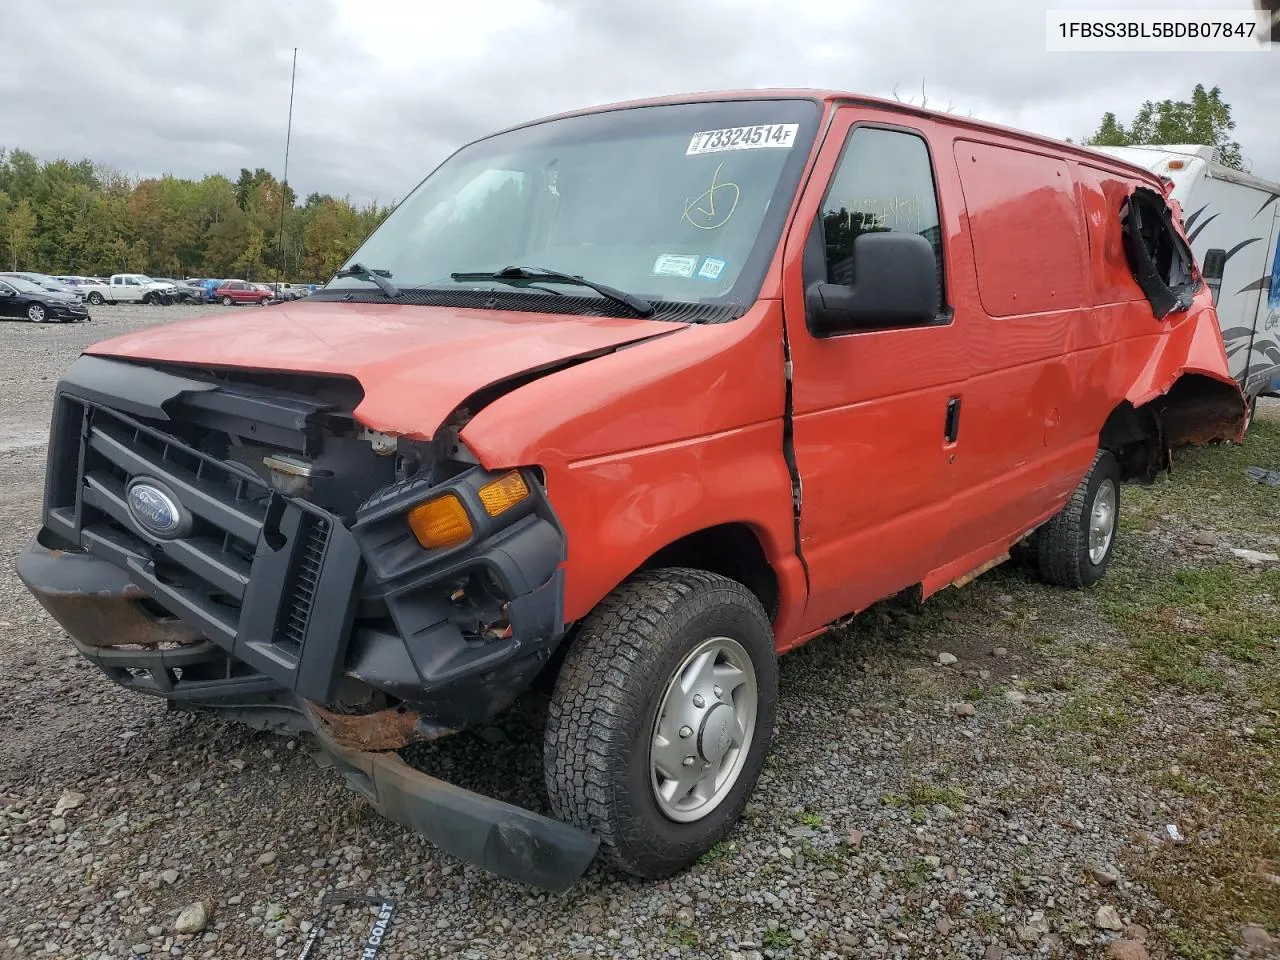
{"x":1201,"y":627}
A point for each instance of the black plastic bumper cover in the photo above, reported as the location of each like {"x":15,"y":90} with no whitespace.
{"x":504,"y":839}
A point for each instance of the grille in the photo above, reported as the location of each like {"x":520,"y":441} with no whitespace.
{"x":305,"y":581}
{"x":249,"y":574}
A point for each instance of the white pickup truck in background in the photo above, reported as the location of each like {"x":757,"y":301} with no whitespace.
{"x":139,"y":288}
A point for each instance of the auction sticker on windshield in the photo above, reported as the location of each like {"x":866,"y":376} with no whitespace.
{"x":762,"y":135}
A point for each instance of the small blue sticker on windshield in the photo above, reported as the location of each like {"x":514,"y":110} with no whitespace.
{"x":711,"y":268}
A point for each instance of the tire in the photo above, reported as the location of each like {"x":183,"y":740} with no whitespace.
{"x":148,"y":299}
{"x":1066,"y":553}
{"x":604,"y":712}
{"x":228,"y":302}
{"x":36,"y":313}
{"x":263,"y":301}
{"x":95,"y":299}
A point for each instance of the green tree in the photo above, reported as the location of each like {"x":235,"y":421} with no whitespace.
{"x":62,"y":216}
{"x":18,"y":227}
{"x":1205,"y":119}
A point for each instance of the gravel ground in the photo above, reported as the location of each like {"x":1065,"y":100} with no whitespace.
{"x":1013,"y":800}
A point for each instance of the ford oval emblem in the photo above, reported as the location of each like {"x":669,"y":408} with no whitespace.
{"x":156,"y":510}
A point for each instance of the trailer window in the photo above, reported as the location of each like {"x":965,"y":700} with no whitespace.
{"x":1158,"y":256}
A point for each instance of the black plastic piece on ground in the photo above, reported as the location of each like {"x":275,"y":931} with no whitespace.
{"x":496,"y":836}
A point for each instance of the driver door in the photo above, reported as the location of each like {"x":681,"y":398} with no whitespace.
{"x":877,"y":413}
{"x":9,"y":302}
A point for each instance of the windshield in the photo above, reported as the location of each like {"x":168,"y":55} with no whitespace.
{"x":682,"y":202}
{"x":25,"y":286}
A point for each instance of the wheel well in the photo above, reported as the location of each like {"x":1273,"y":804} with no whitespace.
{"x":1195,"y":410}
{"x":1132,"y":434}
{"x":731,"y":550}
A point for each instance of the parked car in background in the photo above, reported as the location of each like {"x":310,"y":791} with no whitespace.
{"x":242,"y":291}
{"x":139,"y":288}
{"x":93,"y":289}
{"x":20,"y":299}
{"x":43,"y":280}
{"x":185,"y":292}
{"x":288,"y":291}
{"x":207,"y":285}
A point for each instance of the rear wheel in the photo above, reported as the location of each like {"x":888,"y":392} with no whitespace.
{"x":227,"y":301}
{"x":95,"y":299}
{"x":36,"y":313}
{"x":1074,"y":548}
{"x":661,"y":718}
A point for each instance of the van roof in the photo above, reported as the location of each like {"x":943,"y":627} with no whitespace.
{"x":827,"y":96}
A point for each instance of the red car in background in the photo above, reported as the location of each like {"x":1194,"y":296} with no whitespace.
{"x":241,"y":291}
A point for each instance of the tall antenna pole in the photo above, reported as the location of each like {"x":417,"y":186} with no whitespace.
{"x":284,"y":187}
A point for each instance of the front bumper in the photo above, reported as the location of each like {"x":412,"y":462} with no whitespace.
{"x":110,"y":624}
{"x":499,"y":837}
{"x":69,"y":311}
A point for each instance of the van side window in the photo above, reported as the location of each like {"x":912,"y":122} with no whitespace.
{"x":884,"y":183}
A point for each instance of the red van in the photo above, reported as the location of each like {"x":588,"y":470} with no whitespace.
{"x":631,"y":400}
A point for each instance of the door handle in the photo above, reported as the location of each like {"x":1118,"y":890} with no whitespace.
{"x":951,"y":430}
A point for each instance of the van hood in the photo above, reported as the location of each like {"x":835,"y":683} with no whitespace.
{"x":416,"y":364}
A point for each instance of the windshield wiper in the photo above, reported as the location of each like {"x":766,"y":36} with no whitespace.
{"x":358,"y":271}
{"x":642,"y":307}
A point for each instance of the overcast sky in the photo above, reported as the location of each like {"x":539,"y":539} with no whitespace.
{"x":386,"y":88}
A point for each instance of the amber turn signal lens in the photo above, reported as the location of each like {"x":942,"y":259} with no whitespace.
{"x":499,"y":496}
{"x":442,"y":522}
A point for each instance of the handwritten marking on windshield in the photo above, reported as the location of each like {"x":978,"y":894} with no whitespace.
{"x":702,"y":211}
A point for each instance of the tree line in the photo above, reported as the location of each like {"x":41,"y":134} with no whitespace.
{"x":82,"y":218}
{"x":1205,"y":120}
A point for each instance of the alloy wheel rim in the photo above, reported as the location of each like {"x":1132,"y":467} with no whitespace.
{"x":703,"y":730}
{"x":1102,"y":521}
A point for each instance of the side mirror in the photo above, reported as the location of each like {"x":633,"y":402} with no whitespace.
{"x":895,"y":284}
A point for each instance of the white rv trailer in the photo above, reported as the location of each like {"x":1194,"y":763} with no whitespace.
{"x":1233,"y":222}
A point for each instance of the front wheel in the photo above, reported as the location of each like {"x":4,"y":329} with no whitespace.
{"x":36,"y":313}
{"x":661,"y":718}
{"x":1074,"y":548}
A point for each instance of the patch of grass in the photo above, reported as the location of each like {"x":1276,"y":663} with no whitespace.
{"x":916,"y":875}
{"x":1182,"y":624}
{"x":682,"y":935}
{"x":1222,"y":877}
{"x":823,"y":856}
{"x":1085,"y":713}
{"x":778,"y":939}
{"x":1208,"y":628}
{"x":987,"y":922}
{"x":721,"y":851}
{"x":808,"y":818}
{"x":1180,"y":783}
{"x":929,"y":794}
{"x":1209,"y":488}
